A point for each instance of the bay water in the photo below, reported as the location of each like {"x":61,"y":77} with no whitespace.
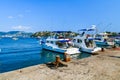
{"x":24,"y":52}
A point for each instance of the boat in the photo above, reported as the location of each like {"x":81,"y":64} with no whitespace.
{"x":58,"y":44}
{"x":14,"y":38}
{"x":103,"y":40}
{"x":0,"y":50}
{"x":117,"y":42}
{"x":85,"y":43}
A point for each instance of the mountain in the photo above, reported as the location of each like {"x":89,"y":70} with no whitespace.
{"x":15,"y":34}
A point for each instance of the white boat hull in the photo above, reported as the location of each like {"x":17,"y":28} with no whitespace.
{"x":90,"y":50}
{"x":72,"y":51}
{"x":69,"y":51}
{"x":53,"y":49}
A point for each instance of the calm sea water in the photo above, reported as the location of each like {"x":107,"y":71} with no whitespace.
{"x":24,"y":52}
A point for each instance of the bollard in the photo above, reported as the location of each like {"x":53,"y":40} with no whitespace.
{"x":57,"y":58}
{"x":57,"y":61}
{"x":66,"y":57}
{"x":102,"y":49}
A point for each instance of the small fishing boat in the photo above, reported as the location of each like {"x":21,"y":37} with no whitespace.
{"x":117,"y":42}
{"x":58,"y":44}
{"x":14,"y":38}
{"x":85,"y":43}
{"x":102,"y":39}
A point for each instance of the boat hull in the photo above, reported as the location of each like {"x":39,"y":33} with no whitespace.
{"x":70,"y":51}
{"x":49,"y":48}
{"x":90,"y":50}
{"x":101,"y":43}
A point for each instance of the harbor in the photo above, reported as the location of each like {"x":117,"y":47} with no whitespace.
{"x":59,"y":55}
{"x":104,"y":66}
{"x":59,"y":40}
{"x":65,"y":57}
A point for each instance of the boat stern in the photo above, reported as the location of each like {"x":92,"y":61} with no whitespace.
{"x":97,"y":49}
{"x":72,"y":51}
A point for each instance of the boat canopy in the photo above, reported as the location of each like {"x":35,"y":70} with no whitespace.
{"x":87,"y":29}
{"x":94,"y":38}
{"x":64,"y":40}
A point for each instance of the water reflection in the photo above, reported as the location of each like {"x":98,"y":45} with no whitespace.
{"x":49,"y":56}
{"x":83,"y":55}
{"x":26,"y":59}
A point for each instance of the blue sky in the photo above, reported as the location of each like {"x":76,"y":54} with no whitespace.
{"x":52,"y":15}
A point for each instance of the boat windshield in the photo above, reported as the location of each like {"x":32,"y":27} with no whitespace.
{"x":89,"y":43}
{"x":63,"y":45}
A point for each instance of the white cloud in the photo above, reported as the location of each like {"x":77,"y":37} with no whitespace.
{"x":10,"y":17}
{"x":19,"y":27}
{"x":17,"y":16}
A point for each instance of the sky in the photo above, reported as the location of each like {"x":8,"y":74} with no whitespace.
{"x":59,"y":15}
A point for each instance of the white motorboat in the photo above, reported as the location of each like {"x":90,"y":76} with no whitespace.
{"x":60,"y":45}
{"x":84,"y":43}
{"x":0,"y":50}
{"x":15,"y":38}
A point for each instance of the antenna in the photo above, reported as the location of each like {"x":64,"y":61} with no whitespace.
{"x":106,"y":27}
{"x":97,"y":26}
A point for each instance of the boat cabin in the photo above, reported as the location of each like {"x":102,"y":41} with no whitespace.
{"x":61,"y":43}
{"x":79,"y":41}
